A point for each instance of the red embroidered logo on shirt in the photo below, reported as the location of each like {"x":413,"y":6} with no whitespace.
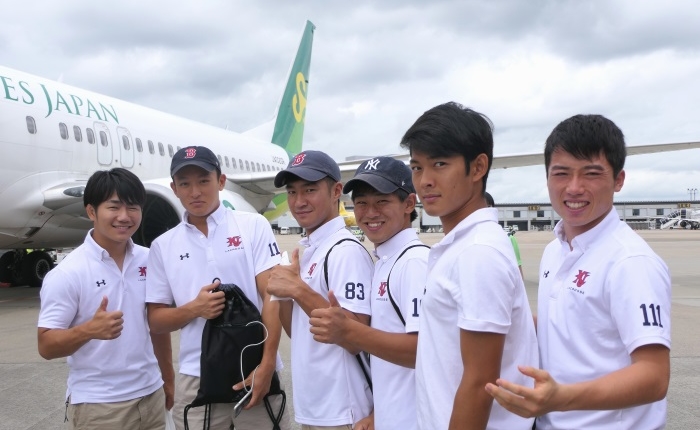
{"x":234,"y":241}
{"x":311,"y":269}
{"x":142,"y":271}
{"x":581,"y":278}
{"x":382,"y":289}
{"x":190,"y":153}
{"x":298,"y":159}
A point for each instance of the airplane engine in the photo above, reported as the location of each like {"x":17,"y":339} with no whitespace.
{"x":682,"y":224}
{"x":163,"y":210}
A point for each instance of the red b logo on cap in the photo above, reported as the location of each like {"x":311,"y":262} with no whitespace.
{"x":190,"y":152}
{"x":298,"y":159}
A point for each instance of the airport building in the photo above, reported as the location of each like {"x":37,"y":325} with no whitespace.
{"x":640,"y":215}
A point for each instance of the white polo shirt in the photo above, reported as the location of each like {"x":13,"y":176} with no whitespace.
{"x":103,"y":371}
{"x":329,"y":386}
{"x":239,"y":246}
{"x":597,"y":303}
{"x":394,"y":385}
{"x":473,"y":284}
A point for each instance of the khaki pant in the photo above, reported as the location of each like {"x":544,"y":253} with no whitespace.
{"x":186,"y":387}
{"x":143,"y":413}
{"x":343,"y":427}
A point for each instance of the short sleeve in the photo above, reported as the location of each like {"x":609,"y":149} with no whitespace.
{"x":350,"y":270}
{"x":266,"y":253}
{"x":157,"y":284}
{"x":639,"y":291}
{"x":406,"y":284}
{"x":484,"y":289}
{"x":59,"y":301}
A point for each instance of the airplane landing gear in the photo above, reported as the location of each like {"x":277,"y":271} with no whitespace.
{"x":19,"y":267}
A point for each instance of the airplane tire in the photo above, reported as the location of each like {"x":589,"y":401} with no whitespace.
{"x":8,"y":272}
{"x":35,"y":266}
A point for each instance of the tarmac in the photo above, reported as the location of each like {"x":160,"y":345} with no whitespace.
{"x":32,"y":390}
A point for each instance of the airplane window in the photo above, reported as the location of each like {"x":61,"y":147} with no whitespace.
{"x":31,"y":125}
{"x":170,"y":151}
{"x":258,"y":165}
{"x":179,"y":148}
{"x":161,"y":149}
{"x":240,"y":163}
{"x":247,"y":166}
{"x":226,"y":160}
{"x":63,"y":129}
{"x":150,"y":147}
{"x":139,"y":145}
{"x":103,"y":139}
{"x":221,"y":162}
{"x":77,"y":133}
{"x":126,"y":143}
{"x":233,"y":163}
{"x":90,"y":135}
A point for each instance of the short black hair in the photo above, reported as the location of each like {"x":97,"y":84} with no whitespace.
{"x":586,"y":136}
{"x":451,"y":129}
{"x":104,"y":183}
{"x":365,"y":188}
{"x":489,"y":200}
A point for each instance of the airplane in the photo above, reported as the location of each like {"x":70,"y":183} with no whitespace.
{"x":54,"y":136}
{"x":682,"y":218}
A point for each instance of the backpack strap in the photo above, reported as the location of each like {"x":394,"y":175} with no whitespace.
{"x":360,"y":361}
{"x":393,"y":303}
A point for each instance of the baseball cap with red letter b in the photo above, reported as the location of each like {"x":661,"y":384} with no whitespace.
{"x":199,"y":156}
{"x":310,"y":166}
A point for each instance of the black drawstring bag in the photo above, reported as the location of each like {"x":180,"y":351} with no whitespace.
{"x":232,"y":347}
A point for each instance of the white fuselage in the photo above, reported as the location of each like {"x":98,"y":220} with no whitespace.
{"x":53,"y":136}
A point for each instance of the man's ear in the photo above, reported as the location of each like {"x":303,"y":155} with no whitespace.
{"x":479,"y":167}
{"x":620,"y":180}
{"x":410,"y":203}
{"x":91,"y":213}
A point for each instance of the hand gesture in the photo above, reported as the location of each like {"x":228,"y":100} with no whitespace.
{"x":524,"y":401}
{"x":328,"y":324}
{"x":106,"y":325}
{"x":283,"y":279}
{"x":209,"y":304}
{"x":263,"y":379}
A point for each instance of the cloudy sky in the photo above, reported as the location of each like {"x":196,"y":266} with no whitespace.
{"x":376,"y":66}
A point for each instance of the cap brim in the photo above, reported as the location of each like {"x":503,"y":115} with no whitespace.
{"x":380,"y":184}
{"x":206,"y":166}
{"x":311,"y":175}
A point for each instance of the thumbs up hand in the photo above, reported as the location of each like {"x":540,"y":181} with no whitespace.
{"x":106,"y":325}
{"x":284,"y":278}
{"x":329,"y":325}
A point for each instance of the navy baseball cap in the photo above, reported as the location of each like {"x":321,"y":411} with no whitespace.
{"x":384,"y":174}
{"x":310,"y":166}
{"x":199,"y":156}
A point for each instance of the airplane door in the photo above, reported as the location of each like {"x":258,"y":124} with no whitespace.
{"x":126,"y":147}
{"x":104,"y":144}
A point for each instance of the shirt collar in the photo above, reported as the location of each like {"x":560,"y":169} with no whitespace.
{"x":476,"y":217}
{"x":395,"y":243}
{"x":218,"y":216}
{"x":96,"y":249}
{"x":322,"y":233}
{"x":584,"y":240}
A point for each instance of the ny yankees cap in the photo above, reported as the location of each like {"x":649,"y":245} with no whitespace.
{"x":310,"y":166}
{"x":384,"y":174}
{"x":199,"y":156}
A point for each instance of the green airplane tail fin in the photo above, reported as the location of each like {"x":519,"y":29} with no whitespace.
{"x":289,"y":126}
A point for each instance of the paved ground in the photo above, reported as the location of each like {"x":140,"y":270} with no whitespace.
{"x":32,"y":389}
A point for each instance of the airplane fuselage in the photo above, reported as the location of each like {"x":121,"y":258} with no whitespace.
{"x":54,"y":136}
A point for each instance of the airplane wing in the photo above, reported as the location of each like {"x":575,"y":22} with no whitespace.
{"x":263,"y":182}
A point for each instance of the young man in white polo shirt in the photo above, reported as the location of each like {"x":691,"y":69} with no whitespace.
{"x":330,"y":389}
{"x":603,"y":322}
{"x":385,"y":201}
{"x":212,"y":242}
{"x":475,"y":321}
{"x":93,"y":311}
